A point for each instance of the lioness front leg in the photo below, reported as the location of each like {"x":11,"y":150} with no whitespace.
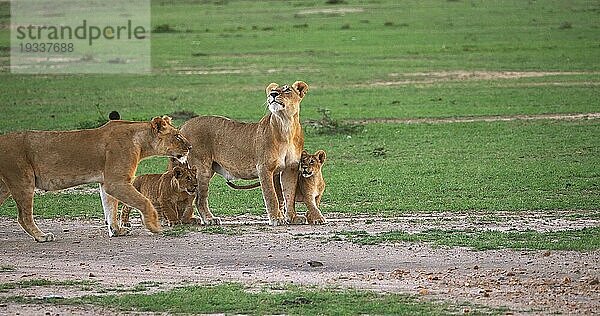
{"x":110,"y":207}
{"x":270,"y":197}
{"x":289,"y":180}
{"x":126,"y":193}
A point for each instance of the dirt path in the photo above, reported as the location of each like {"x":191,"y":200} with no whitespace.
{"x":254,"y":253}
{"x":490,"y":118}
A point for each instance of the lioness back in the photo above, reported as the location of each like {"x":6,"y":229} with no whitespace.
{"x":227,"y":142}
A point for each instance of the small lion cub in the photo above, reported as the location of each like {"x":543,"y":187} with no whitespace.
{"x":311,"y":185}
{"x":171,"y":193}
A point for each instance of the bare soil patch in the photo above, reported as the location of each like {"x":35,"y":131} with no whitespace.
{"x":483,"y":118}
{"x":396,"y":79}
{"x":527,"y":282}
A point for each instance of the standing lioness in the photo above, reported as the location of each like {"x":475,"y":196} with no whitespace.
{"x":268,"y":150}
{"x":109,"y":155}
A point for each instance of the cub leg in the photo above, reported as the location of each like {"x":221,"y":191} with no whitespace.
{"x":126,"y":193}
{"x":110,"y":207}
{"x":169,"y":212}
{"x":125,"y":211}
{"x":270,"y":197}
{"x":23,"y":191}
{"x":188,"y":214}
{"x":204,"y":176}
{"x":289,"y":180}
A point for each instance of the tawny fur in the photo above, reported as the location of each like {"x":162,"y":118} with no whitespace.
{"x":268,"y":150}
{"x":172,"y":194}
{"x":109,"y":155}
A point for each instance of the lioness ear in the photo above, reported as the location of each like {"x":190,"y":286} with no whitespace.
{"x":301,"y":87}
{"x":159,"y":124}
{"x":321,"y":156}
{"x":270,"y":87}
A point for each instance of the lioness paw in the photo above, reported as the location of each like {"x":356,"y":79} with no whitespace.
{"x":212,"y":221}
{"x":317,"y":221}
{"x":45,"y":238}
{"x":121,"y":231}
{"x":277,"y":221}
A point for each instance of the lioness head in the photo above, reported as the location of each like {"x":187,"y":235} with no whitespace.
{"x":184,"y":178}
{"x":311,"y":164}
{"x":285,"y":100}
{"x":168,"y":140}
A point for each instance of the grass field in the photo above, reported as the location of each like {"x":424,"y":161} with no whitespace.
{"x":364,"y":61}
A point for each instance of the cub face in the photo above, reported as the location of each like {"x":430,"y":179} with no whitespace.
{"x":168,"y":139}
{"x":184,"y":179}
{"x":285,"y":100}
{"x":311,"y":164}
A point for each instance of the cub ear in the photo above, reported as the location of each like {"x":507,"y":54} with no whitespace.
{"x":321,"y":156}
{"x":304,"y":154}
{"x":270,"y":87}
{"x":177,"y":171}
{"x":301,"y":87}
{"x":159,"y":123}
{"x":194,"y":169}
{"x":167,"y":119}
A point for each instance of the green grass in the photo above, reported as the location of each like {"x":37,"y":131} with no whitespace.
{"x":586,"y":239}
{"x":235,"y":299}
{"x":261,"y":42}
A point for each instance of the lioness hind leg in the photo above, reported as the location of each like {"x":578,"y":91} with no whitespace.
{"x":24,"y":201}
{"x":204,"y":176}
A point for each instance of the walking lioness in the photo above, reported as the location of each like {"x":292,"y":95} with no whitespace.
{"x":109,"y":155}
{"x":268,"y":150}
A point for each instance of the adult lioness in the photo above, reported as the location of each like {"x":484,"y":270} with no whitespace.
{"x":109,"y":155}
{"x":310,"y":186}
{"x":172,"y":194}
{"x":268,"y":150}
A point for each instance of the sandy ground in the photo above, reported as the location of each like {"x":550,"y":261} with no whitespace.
{"x":526,"y":282}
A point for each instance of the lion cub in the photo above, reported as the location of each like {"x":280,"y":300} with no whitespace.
{"x":309,"y":188}
{"x":172,"y":194}
{"x":311,"y":185}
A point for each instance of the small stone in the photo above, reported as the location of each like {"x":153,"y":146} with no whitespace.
{"x":423,"y":291}
{"x":547,"y":253}
{"x":91,"y":275}
{"x":315,"y":264}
